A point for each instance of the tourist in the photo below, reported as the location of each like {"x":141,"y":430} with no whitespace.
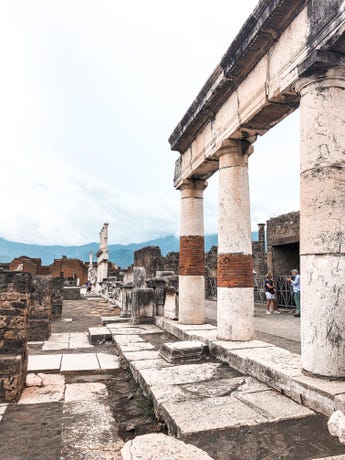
{"x":295,"y":281}
{"x":270,"y":294}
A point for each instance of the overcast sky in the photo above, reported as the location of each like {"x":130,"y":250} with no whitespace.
{"x":90,"y":92}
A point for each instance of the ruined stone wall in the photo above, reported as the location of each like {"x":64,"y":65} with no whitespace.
{"x":171,"y":262}
{"x":71,"y":268}
{"x":57,"y":296}
{"x":259,"y":258}
{"x":149,"y":257}
{"x":283,"y":243}
{"x":40,"y":311}
{"x":15,"y":297}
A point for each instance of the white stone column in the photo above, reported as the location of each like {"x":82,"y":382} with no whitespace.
{"x":235,"y":293}
{"x":192,"y":257}
{"x":322,"y":237}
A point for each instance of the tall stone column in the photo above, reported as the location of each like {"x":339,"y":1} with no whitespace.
{"x":235,"y":293}
{"x":322,"y":233}
{"x":192,"y":264}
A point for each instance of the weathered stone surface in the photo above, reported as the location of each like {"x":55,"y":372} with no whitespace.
{"x":79,"y":362}
{"x":40,"y":310}
{"x":107,"y":361}
{"x":136,"y":346}
{"x":57,"y":300}
{"x":336,"y":425}
{"x":44,"y":363}
{"x":159,"y":446}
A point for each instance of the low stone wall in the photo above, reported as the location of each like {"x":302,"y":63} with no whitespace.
{"x":40,"y":311}
{"x":15,"y":298}
{"x":71,"y":293}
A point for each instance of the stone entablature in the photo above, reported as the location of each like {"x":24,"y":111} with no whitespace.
{"x":15,"y":299}
{"x":252,"y":88}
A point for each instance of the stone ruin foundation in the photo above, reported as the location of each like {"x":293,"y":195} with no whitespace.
{"x":15,"y":299}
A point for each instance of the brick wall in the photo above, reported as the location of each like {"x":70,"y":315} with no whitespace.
{"x":15,"y":295}
{"x":192,"y":257}
{"x":235,"y":270}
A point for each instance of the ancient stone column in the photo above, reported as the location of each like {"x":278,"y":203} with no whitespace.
{"x":192,"y":266}
{"x":235,"y":294}
{"x":322,"y":226}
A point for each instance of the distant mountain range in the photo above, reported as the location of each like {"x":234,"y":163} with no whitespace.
{"x":121,"y":255}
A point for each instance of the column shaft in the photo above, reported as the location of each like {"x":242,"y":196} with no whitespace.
{"x":322,"y":239}
{"x":192,"y":265}
{"x":235,"y":295}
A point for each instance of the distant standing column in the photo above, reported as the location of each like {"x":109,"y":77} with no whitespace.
{"x":192,"y":264}
{"x":322,"y":231}
{"x":235,"y":293}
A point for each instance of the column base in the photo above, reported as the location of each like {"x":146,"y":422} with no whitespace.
{"x":191,"y":299}
{"x":235,"y":313}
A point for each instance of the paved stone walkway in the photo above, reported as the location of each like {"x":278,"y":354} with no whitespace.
{"x":72,"y":409}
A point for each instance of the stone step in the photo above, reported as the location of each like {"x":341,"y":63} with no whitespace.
{"x":113,"y":319}
{"x":99,"y":335}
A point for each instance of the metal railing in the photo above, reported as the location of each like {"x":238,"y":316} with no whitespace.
{"x":283,"y":289}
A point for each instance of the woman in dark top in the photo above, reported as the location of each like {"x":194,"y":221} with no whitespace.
{"x":270,"y":294}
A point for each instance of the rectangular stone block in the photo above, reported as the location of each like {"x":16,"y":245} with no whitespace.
{"x":186,"y":351}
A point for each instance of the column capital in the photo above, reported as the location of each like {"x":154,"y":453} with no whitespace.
{"x":322,"y":68}
{"x":197,"y":185}
{"x":234,"y":152}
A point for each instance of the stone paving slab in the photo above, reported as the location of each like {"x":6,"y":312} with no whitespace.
{"x":211,"y":414}
{"x":44,"y":362}
{"x":125,"y":338}
{"x":88,"y":428}
{"x":160,"y":446}
{"x":79,"y":362}
{"x":180,"y":374}
{"x":136,"y":346}
{"x":273,"y":406}
{"x":337,"y":457}
{"x":141,"y":355}
{"x":108,"y":361}
{"x":53,"y":346}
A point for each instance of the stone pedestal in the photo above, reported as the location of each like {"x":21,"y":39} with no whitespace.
{"x":126,"y":297}
{"x":143,"y":306}
{"x":322,"y":222}
{"x":159,"y":288}
{"x":15,"y":298}
{"x":183,"y":352}
{"x":192,"y":264}
{"x":57,"y":300}
{"x":40,"y":311}
{"x":235,"y":299}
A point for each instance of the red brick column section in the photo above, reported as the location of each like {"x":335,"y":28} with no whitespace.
{"x":235,"y":270}
{"x":192,"y":257}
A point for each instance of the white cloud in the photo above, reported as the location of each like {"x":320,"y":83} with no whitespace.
{"x":90,"y":92}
